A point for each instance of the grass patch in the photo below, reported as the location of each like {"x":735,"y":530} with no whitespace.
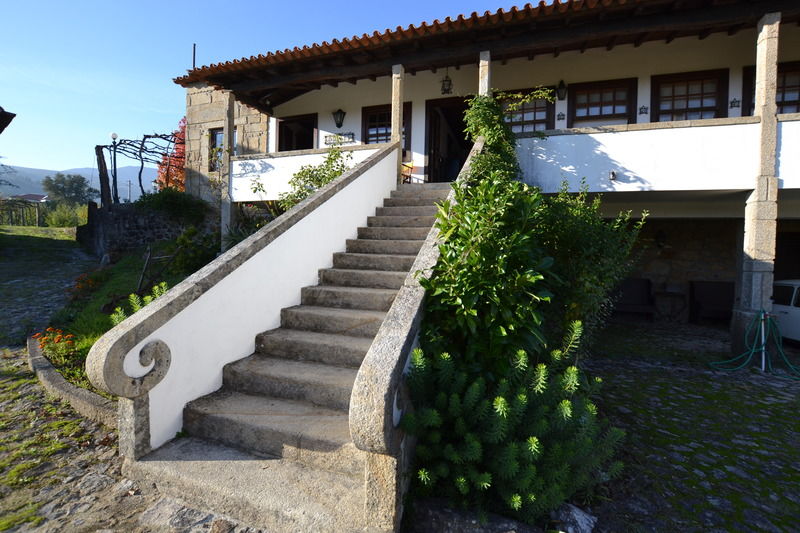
{"x":22,"y":515}
{"x":87,"y":314}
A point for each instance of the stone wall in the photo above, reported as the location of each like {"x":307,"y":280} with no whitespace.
{"x":679,"y":255}
{"x":205,"y":110}
{"x":125,"y":228}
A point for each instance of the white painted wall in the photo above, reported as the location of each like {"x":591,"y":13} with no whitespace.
{"x":220,"y":326}
{"x":627,"y":61}
{"x":789,"y":154}
{"x":668,"y":159}
{"x":274,"y":173}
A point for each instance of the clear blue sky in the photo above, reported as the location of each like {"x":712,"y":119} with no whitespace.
{"x":73,"y":72}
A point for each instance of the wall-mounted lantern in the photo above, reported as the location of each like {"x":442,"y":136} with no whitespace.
{"x":338,"y":117}
{"x":561,"y":91}
{"x":644,"y":110}
{"x":735,"y":103}
{"x":561,"y":116}
{"x":447,"y":84}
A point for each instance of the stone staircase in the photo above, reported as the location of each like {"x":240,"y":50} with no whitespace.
{"x":272,"y":447}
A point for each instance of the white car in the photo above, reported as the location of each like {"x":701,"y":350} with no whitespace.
{"x":786,"y":307}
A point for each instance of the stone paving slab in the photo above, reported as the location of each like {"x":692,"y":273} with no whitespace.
{"x":706,"y":450}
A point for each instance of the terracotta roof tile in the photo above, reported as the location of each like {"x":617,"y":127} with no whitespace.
{"x":424,"y":29}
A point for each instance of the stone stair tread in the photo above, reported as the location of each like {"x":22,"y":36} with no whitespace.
{"x":351,"y":277}
{"x":401,"y":221}
{"x":409,"y":201}
{"x":394,"y":233}
{"x":335,"y":311}
{"x":347,"y":290}
{"x":292,"y":372}
{"x":324,"y":339}
{"x":292,"y":418}
{"x":253,"y":489}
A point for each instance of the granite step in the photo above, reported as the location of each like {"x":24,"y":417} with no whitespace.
{"x":313,"y":382}
{"x":383,"y":246}
{"x":329,"y":348}
{"x":348,"y":297}
{"x":353,"y":322}
{"x":433,"y":193}
{"x":407,"y":210}
{"x":353,"y":261}
{"x":408,"y":201}
{"x":416,"y":221}
{"x":404,"y":234}
{"x":252,"y":489}
{"x":379,"y":279}
{"x":315,"y":436}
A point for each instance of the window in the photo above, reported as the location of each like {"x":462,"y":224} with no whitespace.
{"x":536,"y":115}
{"x":298,"y":132}
{"x":215,"y":143}
{"x":782,"y":294}
{"x":788,"y":89}
{"x":376,"y":124}
{"x":602,"y":103}
{"x":690,"y":96}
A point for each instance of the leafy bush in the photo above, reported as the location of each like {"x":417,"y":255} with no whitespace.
{"x":180,"y":206}
{"x":250,"y":219}
{"x":504,"y":420}
{"x":193,"y":250}
{"x":311,"y":178}
{"x":519,"y":445}
{"x":65,"y":215}
{"x":135,"y":302}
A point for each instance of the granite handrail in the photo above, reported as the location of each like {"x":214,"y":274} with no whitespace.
{"x":105,"y":362}
{"x":378,"y":399}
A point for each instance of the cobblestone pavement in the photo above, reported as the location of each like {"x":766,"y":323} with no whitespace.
{"x":706,"y":450}
{"x":59,"y":472}
{"x":36,"y":272}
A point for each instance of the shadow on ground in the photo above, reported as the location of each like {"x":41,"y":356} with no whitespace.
{"x":707,"y":450}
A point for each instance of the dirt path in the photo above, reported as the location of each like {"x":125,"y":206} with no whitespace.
{"x":38,"y":266}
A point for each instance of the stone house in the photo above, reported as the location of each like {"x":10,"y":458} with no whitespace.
{"x":293,"y":343}
{"x":657,"y":108}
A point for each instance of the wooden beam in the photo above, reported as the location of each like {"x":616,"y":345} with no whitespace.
{"x":640,"y":39}
{"x":556,"y":52}
{"x":670,"y":37}
{"x":703,"y":34}
{"x":584,"y":45}
{"x":611,"y":42}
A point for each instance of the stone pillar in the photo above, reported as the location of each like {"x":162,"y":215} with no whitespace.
{"x":485,"y":74}
{"x":226,"y":205}
{"x":398,"y":73}
{"x":761,"y":210}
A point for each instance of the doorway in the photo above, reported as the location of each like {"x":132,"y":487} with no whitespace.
{"x":297,"y":133}
{"x":446,"y":144}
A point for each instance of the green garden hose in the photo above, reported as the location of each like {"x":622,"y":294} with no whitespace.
{"x":761,"y":329}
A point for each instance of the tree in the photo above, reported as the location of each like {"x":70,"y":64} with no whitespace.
{"x":69,"y":188}
{"x":171,"y":172}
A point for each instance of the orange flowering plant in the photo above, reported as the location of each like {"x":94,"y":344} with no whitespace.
{"x":58,"y":346}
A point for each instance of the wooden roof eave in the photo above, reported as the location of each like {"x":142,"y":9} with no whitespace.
{"x":421,"y":52}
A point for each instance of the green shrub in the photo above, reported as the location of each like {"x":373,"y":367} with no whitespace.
{"x":180,"y":206}
{"x":504,"y":420}
{"x":311,"y":178}
{"x":519,"y":445}
{"x":193,"y":250}
{"x":65,"y":215}
{"x":136,"y":302}
{"x":250,"y":218}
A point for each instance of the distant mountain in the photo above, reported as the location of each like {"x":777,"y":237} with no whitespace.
{"x":29,"y":180}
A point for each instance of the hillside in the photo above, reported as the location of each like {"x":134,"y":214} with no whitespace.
{"x":29,"y":180}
